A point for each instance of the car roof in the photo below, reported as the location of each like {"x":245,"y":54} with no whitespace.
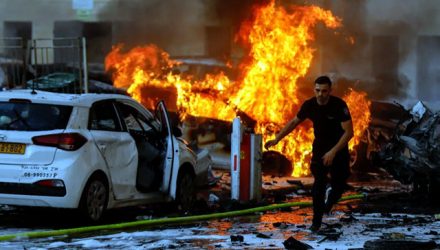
{"x":83,"y":100}
{"x":201,"y":61}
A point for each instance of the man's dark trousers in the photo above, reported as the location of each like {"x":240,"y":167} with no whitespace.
{"x":336,"y":175}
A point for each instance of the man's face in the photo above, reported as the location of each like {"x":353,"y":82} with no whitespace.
{"x":322,"y":93}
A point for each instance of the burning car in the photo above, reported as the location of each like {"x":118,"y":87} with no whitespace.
{"x":408,"y":148}
{"x":268,"y":83}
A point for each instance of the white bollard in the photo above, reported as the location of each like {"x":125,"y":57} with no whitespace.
{"x":235,"y":158}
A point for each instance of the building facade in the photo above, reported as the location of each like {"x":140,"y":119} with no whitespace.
{"x":395,"y":51}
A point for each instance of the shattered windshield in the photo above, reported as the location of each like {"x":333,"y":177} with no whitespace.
{"x":32,"y":116}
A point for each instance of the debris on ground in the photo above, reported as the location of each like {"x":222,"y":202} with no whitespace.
{"x":389,"y":214}
{"x":292,"y":243}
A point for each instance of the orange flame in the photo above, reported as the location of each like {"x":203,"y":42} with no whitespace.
{"x":139,"y":68}
{"x":279,"y":54}
{"x":359,"y":107}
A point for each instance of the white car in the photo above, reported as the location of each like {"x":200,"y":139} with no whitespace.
{"x":92,"y":152}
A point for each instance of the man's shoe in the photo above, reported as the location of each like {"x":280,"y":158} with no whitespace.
{"x":328,"y":190}
{"x":328,"y":206}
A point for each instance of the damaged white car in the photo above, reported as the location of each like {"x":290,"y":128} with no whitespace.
{"x":91,"y":152}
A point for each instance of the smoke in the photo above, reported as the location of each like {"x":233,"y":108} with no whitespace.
{"x":384,"y":59}
{"x":375,"y":50}
{"x":168,"y":24}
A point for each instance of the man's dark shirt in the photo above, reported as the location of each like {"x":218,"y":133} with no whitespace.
{"x":326,"y":123}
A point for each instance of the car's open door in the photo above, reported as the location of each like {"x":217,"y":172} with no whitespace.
{"x":171,"y":159}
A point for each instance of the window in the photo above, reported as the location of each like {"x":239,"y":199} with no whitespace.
{"x":33,"y":116}
{"x":17,"y":29}
{"x":103,"y":117}
{"x":98,"y":35}
{"x":135,"y":121}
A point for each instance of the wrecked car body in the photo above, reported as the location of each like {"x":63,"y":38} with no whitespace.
{"x":412,"y":152}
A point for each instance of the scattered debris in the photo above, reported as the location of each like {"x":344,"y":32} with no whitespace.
{"x":292,"y":243}
{"x":348,"y":218}
{"x":330,"y":233}
{"x":399,"y":244}
{"x":296,"y":182}
{"x":394,"y":236}
{"x":263,"y":235}
{"x":280,"y":225}
{"x":237,"y":238}
{"x":412,"y":153}
{"x":432,"y":232}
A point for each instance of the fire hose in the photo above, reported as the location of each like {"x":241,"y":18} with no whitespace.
{"x":162,"y":221}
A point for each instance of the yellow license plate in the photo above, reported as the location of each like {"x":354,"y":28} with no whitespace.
{"x":12,"y":148}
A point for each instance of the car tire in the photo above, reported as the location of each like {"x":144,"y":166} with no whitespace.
{"x":94,"y":199}
{"x":186,"y":192}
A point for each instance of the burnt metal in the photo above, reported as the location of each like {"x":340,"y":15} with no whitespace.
{"x":410,"y":151}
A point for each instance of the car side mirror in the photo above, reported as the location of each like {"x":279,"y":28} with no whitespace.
{"x":177,"y":132}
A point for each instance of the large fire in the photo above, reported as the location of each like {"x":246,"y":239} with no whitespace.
{"x":280,"y":53}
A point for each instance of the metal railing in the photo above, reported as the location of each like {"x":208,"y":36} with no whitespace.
{"x":57,"y":64}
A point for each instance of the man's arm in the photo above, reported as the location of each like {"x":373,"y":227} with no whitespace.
{"x":347,"y":126}
{"x":290,"y":126}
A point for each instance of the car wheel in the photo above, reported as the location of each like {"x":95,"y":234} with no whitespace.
{"x":94,"y":200}
{"x":186,"y":194}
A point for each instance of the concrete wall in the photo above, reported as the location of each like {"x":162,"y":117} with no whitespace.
{"x":362,"y":50}
{"x":43,"y":13}
{"x":411,"y":21}
{"x":414,"y":25}
{"x":165,"y":23}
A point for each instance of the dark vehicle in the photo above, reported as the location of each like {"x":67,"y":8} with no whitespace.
{"x":412,"y":153}
{"x":199,"y":67}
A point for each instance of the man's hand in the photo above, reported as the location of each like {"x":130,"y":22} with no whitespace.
{"x":291,"y":125}
{"x":270,"y":143}
{"x":327,"y":159}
